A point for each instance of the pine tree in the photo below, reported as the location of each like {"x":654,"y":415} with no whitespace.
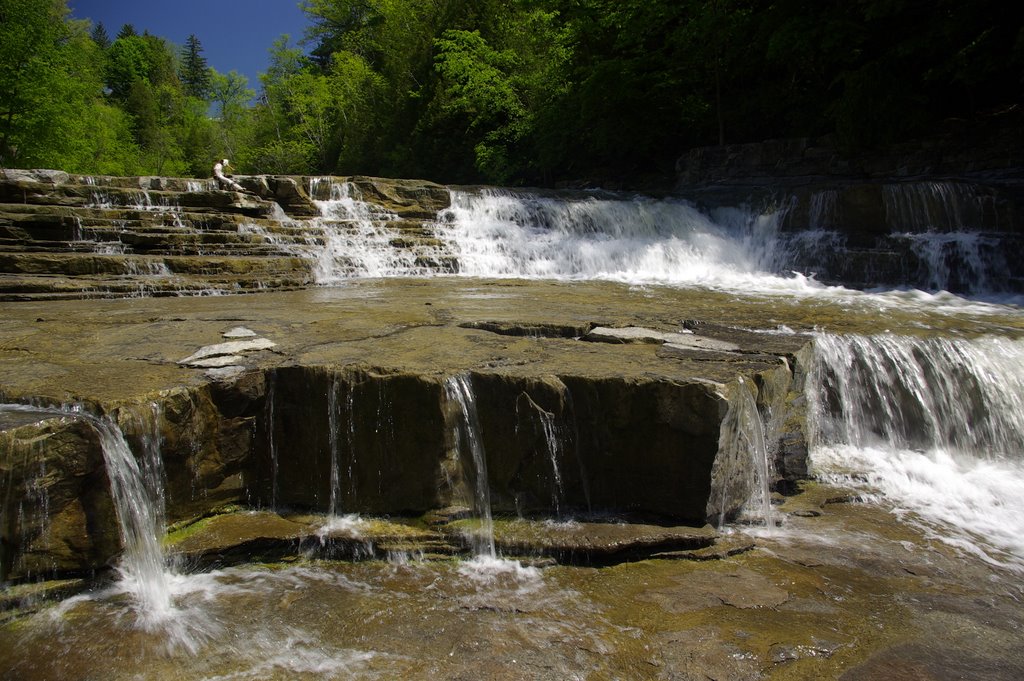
{"x":126,"y":31}
{"x":194,"y":73}
{"x":99,"y":36}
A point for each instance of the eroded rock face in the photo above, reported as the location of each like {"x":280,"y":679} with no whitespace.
{"x":375,"y":442}
{"x":58,"y":517}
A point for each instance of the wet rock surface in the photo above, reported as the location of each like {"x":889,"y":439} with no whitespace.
{"x":75,"y":236}
{"x":848,"y":593}
{"x":256,"y":400}
{"x":637,"y":423}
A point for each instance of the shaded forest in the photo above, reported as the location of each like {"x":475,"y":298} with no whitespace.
{"x":502,"y":91}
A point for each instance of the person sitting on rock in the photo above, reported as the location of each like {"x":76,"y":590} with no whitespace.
{"x":223,"y":180}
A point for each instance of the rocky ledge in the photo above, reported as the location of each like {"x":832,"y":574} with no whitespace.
{"x":261,"y":400}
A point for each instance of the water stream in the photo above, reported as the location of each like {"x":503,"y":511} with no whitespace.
{"x":137,"y":493}
{"x":743,"y":465}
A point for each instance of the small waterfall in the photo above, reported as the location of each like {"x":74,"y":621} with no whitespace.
{"x":459,"y":392}
{"x":357,"y":238}
{"x":554,"y":446}
{"x":742,"y":472}
{"x":823,"y":208}
{"x":341,"y":431}
{"x":958,"y":261}
{"x":332,"y":425}
{"x":934,"y":426}
{"x":269,"y":431}
{"x":31,"y":527}
{"x":142,"y":568}
{"x":146,"y":423}
{"x":937,"y":206}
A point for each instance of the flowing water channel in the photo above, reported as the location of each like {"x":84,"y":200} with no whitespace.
{"x":926,"y":430}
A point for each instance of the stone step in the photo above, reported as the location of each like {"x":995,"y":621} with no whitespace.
{"x":15,"y":287}
{"x":117,"y":264}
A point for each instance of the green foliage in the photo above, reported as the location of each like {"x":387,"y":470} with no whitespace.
{"x":509,"y":91}
{"x":51,"y":88}
{"x":230,"y":95}
{"x":477,"y":86}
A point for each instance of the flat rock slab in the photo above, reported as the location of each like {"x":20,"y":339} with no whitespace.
{"x":225,"y":533}
{"x":202,"y":356}
{"x":588,"y":542}
{"x":237,"y":537}
{"x":83,"y":350}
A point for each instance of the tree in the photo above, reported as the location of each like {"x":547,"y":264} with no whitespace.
{"x":194,"y":72}
{"x":230,"y":95}
{"x":279,"y":147}
{"x":50,"y":86}
{"x":127,"y":31}
{"x":99,"y":36}
{"x":477,"y":85}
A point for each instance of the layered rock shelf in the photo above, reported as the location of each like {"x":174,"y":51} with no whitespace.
{"x":352,"y":380}
{"x":594,"y":400}
{"x":71,"y":236}
{"x":315,"y":453}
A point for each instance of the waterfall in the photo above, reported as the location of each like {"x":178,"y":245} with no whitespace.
{"x":333,"y":428}
{"x":639,"y":239}
{"x":459,"y":392}
{"x":933,"y":426}
{"x":742,"y":472}
{"x":269,"y":430}
{"x":960,"y":261}
{"x":138,"y":511}
{"x":357,"y":239}
{"x":937,"y":206}
{"x":341,"y":435}
{"x":146,"y":423}
{"x":143,"y":566}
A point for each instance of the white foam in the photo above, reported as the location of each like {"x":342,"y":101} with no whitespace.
{"x":490,"y":570}
{"x":974,"y":504}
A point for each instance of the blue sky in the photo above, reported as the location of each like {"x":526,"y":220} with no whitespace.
{"x":235,"y":34}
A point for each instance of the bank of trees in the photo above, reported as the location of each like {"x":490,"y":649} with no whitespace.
{"x":503,"y":90}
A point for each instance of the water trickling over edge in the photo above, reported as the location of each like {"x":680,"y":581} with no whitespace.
{"x":459,"y":393}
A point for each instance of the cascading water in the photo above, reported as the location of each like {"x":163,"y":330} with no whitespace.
{"x":942,"y":224}
{"x":333,"y":428}
{"x":938,"y":206}
{"x":139,"y":514}
{"x":339,"y":413}
{"x":742,"y":472}
{"x":636,"y":240}
{"x":934,"y":427}
{"x":459,"y":393}
{"x":553,"y":440}
{"x":357,"y":240}
{"x":960,"y":261}
{"x":269,"y":427}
